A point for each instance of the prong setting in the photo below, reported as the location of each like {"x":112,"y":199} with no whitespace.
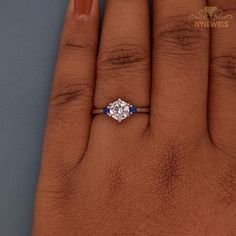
{"x":119,"y":110}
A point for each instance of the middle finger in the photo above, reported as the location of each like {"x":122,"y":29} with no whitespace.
{"x":180,"y":69}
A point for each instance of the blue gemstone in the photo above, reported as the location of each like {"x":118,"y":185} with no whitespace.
{"x":106,"y":110}
{"x":133,"y":109}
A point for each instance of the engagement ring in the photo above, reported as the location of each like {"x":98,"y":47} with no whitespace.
{"x":120,"y":110}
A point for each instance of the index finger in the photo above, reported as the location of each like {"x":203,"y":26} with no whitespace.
{"x":71,"y":102}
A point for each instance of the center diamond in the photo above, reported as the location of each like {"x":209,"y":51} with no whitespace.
{"x":119,"y":110}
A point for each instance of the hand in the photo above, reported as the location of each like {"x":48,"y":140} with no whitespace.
{"x":170,"y":172}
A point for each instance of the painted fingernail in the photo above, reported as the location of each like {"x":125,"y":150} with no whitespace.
{"x":83,"y":8}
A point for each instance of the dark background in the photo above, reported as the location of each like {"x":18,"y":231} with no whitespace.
{"x":29,"y":36}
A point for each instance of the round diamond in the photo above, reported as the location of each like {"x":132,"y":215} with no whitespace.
{"x":119,"y":110}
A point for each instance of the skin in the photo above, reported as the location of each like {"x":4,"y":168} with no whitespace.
{"x":170,"y":172}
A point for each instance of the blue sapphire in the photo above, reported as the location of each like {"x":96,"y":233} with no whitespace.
{"x":106,"y":110}
{"x":133,"y":109}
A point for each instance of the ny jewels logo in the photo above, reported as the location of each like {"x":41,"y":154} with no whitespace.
{"x":211,"y":16}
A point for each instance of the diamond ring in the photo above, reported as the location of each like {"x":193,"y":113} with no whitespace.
{"x":120,"y":110}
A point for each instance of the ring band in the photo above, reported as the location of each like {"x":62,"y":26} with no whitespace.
{"x":120,"y":110}
{"x":139,"y":110}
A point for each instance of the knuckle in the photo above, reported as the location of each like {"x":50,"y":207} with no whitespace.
{"x":116,"y":180}
{"x":224,"y":67}
{"x":62,"y":182}
{"x":75,"y":41}
{"x":171,"y":171}
{"x":67,"y":99}
{"x":74,"y":93}
{"x":224,"y":172}
{"x":227,"y":195}
{"x":122,"y":56}
{"x":224,"y":6}
{"x":179,"y":36}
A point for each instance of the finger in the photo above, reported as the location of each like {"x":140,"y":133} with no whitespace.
{"x":222,"y":92}
{"x":180,"y":69}
{"x":123,"y":66}
{"x":72,"y":94}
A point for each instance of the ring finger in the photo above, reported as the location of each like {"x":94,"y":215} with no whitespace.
{"x":124,"y":56}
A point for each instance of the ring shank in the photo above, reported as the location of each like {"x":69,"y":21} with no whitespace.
{"x":143,"y":110}
{"x":97,"y":111}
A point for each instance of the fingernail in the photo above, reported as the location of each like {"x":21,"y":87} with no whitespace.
{"x":83,"y":8}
